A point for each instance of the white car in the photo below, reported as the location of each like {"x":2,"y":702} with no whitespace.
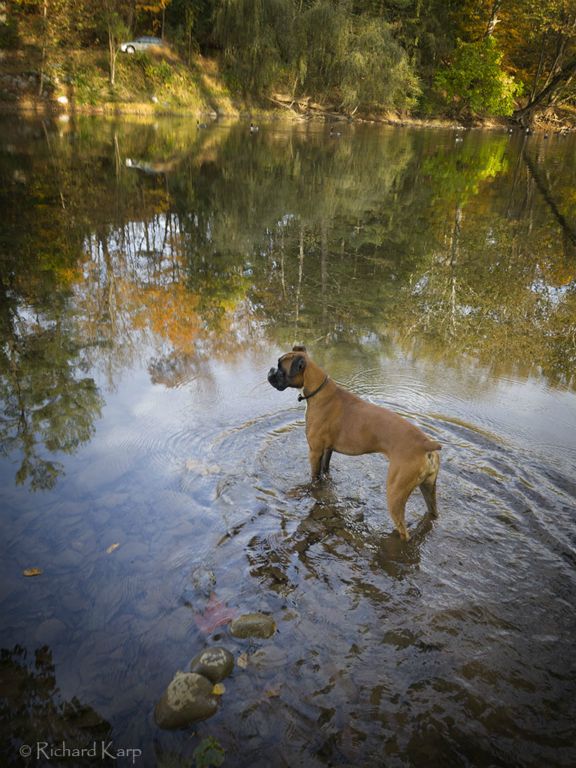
{"x":141,"y":44}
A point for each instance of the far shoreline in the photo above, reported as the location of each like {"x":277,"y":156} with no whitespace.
{"x":46,"y":107}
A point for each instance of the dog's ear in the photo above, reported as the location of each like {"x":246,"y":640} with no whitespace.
{"x":298,"y":365}
{"x":298,"y":348}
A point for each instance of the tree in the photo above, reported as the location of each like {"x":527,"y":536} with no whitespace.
{"x":321,"y":37}
{"x":155,"y":7}
{"x":376,"y":73}
{"x":538,"y":42}
{"x":116,"y":29}
{"x":30,"y":687}
{"x":475,"y":82}
{"x":254,"y":35}
{"x":545,"y":53}
{"x":193,"y":22}
{"x":550,"y":94}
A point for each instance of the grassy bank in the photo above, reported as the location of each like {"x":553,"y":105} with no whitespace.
{"x":154,"y":82}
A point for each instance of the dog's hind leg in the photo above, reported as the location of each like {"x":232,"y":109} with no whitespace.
{"x":396,"y":507}
{"x":428,"y":485}
{"x":397,"y":492}
{"x":403,"y":478}
{"x":428,"y":489}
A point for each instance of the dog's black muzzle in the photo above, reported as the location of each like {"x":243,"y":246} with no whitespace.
{"x":277,"y":378}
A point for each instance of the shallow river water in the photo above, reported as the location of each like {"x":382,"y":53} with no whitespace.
{"x":150,"y":275}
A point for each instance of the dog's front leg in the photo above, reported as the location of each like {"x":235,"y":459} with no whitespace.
{"x":315,"y":456}
{"x":325,"y":462}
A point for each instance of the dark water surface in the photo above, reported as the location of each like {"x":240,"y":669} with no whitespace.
{"x":150,"y":276}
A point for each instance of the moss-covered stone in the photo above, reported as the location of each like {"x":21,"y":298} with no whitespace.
{"x":253,"y":625}
{"x":213,"y":663}
{"x":187,"y":699}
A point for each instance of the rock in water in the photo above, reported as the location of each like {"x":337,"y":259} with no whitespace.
{"x":253,"y":625}
{"x":213,"y":663}
{"x":188,"y":698}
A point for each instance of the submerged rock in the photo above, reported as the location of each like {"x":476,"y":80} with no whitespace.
{"x":213,"y":663}
{"x":253,"y":625}
{"x":204,"y":579}
{"x":266,"y":660}
{"x":188,"y":698}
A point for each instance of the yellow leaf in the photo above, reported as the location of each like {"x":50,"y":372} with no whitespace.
{"x":218,"y":689}
{"x":111,"y":548}
{"x":32,"y":572}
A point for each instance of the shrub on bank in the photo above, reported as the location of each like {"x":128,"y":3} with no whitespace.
{"x":474,"y":83}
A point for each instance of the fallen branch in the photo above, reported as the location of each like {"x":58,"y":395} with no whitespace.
{"x":289,"y":107}
{"x":306,"y":105}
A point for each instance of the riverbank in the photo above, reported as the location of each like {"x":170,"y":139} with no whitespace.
{"x":158,"y":82}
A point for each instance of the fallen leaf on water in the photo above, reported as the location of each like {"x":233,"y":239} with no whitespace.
{"x":242,"y":661}
{"x":111,"y":548}
{"x":214,"y":615}
{"x":32,"y":572}
{"x":218,"y":689}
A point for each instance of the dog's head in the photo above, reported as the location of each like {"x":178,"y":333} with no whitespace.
{"x":290,"y":371}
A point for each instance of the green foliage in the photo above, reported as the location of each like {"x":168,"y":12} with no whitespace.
{"x":253,"y":34}
{"x":322,"y":49}
{"x":475,"y":81}
{"x":182,"y":34}
{"x":320,"y":46}
{"x":377,"y":73}
{"x":86,"y":86}
{"x":48,"y":404}
{"x":8,"y":32}
{"x":356,"y":55}
{"x":458,"y":176}
{"x":192,"y":18}
{"x":158,"y":71}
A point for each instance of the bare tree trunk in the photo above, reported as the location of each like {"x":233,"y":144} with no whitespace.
{"x":300,"y":276}
{"x":282,"y":271}
{"x":563,"y":78}
{"x":112,"y":54}
{"x":117,"y":156}
{"x":324,"y":272}
{"x":131,"y":15}
{"x":560,"y":51}
{"x":539,"y":68}
{"x":493,"y":20}
{"x":189,"y":21}
{"x":454,"y":254}
{"x":44,"y":45}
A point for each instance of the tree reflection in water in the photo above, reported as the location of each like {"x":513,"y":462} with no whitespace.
{"x":33,"y":711}
{"x":451,"y":252}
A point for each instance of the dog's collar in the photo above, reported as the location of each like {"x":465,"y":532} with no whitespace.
{"x":307,"y":397}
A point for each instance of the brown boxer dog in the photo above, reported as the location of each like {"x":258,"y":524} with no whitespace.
{"x":337,"y":420}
